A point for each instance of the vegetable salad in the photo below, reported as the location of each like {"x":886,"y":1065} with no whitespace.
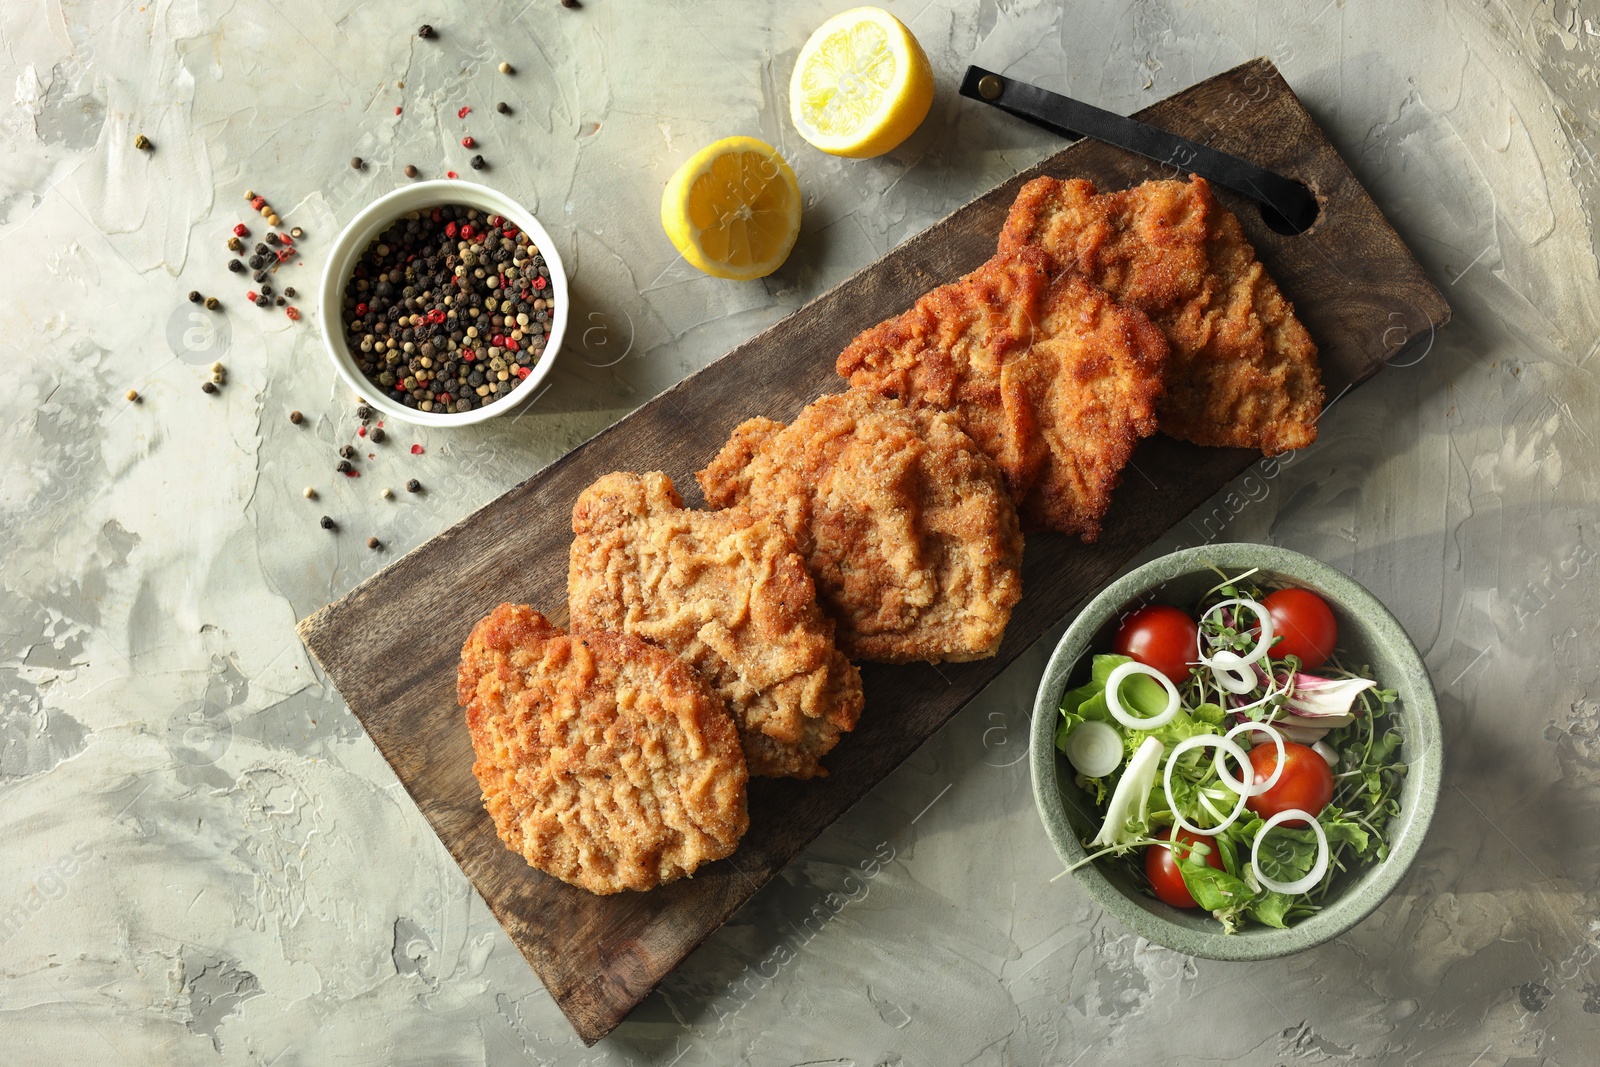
{"x":1238,"y":763}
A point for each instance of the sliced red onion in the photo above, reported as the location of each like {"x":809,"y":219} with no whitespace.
{"x":1315,"y":697}
{"x":1318,"y":869}
{"x":1203,"y":741}
{"x":1126,"y":718}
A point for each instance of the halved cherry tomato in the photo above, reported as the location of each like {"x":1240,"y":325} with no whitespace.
{"x":1159,"y":636}
{"x":1161,"y":867}
{"x":1306,"y":625}
{"x":1306,"y":782}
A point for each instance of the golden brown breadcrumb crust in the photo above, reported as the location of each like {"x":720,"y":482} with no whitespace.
{"x":905,"y":524}
{"x":1243,"y":369}
{"x":604,"y":761}
{"x":1054,"y":380}
{"x":727,"y":592}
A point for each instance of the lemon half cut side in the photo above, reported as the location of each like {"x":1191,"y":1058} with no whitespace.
{"x":733,"y":209}
{"x":861,"y":84}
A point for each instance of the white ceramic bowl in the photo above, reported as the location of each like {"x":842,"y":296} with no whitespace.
{"x":373,"y":220}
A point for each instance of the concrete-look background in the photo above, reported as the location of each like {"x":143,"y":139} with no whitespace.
{"x":204,"y":860}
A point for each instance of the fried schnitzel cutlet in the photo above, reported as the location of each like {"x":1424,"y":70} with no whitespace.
{"x":725,"y":591}
{"x":1243,"y":370}
{"x":904,"y":522}
{"x":604,"y":761}
{"x":1054,"y":380}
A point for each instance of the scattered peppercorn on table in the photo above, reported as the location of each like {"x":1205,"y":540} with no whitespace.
{"x":207,"y":859}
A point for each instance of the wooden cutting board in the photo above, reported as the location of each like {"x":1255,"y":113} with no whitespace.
{"x":391,"y":644}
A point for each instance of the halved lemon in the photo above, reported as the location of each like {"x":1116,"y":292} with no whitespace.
{"x":733,"y":209}
{"x":861,"y":85}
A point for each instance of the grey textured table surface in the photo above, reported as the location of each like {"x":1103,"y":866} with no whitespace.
{"x":202,"y":857}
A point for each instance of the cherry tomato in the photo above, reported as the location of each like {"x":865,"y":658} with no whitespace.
{"x":1159,"y":636}
{"x":1305,"y":623}
{"x":1306,"y":782}
{"x":1161,"y":867}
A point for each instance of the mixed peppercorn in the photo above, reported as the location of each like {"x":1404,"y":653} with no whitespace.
{"x":448,"y":309}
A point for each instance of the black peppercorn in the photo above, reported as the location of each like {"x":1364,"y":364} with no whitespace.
{"x":273,"y":238}
{"x":356,"y":163}
{"x":425,"y":31}
{"x":503,"y":107}
{"x":296,"y":418}
{"x":262,"y":250}
{"x":413,"y":486}
{"x":344,"y":467}
{"x":235,"y":266}
{"x":377,"y":435}
{"x":208,"y":387}
{"x":478,"y":163}
{"x":261,"y":275}
{"x":327,"y":522}
{"x":363,"y":412}
{"x":347,"y":452}
{"x":289,"y":292}
{"x":263,"y":301}
{"x":194,"y":296}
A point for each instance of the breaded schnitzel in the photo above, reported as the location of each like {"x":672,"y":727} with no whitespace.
{"x":603,"y":760}
{"x":1243,"y":370}
{"x":904,"y":522}
{"x":726,"y":591}
{"x":1053,"y":380}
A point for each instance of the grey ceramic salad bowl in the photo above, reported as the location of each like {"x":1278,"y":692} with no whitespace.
{"x":1368,"y":634}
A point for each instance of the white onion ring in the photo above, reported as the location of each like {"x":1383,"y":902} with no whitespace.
{"x":1121,"y":714}
{"x":1318,"y":869}
{"x":1203,"y":741}
{"x":1231,"y":673}
{"x":1257,"y":787}
{"x":1094,"y":748}
{"x":1263,"y":621}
